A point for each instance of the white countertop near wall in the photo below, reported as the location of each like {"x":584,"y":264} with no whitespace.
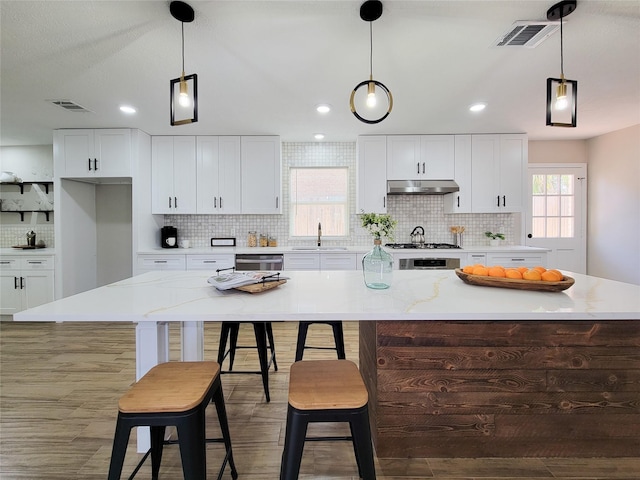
{"x":332,"y":249}
{"x":28,"y":252}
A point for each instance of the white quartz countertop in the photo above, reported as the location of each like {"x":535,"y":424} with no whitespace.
{"x":29,"y":251}
{"x":332,"y":249}
{"x":339,"y":295}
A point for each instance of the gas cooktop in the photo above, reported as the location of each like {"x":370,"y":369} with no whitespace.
{"x":420,"y":245}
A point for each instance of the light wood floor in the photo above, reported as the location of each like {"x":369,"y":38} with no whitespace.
{"x":60,"y":384}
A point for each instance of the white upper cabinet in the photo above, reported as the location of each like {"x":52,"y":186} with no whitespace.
{"x":371,"y":167}
{"x":218,"y":175}
{"x":86,"y":153}
{"x":420,"y":157}
{"x":437,"y":157}
{"x":403,"y":157}
{"x":261,"y":175}
{"x":460,"y":201}
{"x":498,"y":166}
{"x":173,"y":174}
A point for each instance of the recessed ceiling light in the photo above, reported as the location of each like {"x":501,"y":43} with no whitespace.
{"x":319,"y":136}
{"x":127,"y":109}
{"x":323,"y":108}
{"x":477,"y":107}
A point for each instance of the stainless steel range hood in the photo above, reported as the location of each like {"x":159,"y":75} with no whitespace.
{"x":421,"y":187}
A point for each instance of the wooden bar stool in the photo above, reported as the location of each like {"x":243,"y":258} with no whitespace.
{"x":173,"y":394}
{"x":264,"y":340}
{"x":326,"y":391}
{"x":338,"y":337}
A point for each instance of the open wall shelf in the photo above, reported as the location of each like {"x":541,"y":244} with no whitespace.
{"x":22,"y":184}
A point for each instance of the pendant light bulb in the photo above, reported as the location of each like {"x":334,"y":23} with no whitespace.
{"x":561,"y":96}
{"x":183,"y":98}
{"x":371,"y":94}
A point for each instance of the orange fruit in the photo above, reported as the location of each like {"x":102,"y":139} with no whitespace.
{"x":540,"y":269}
{"x":513,"y":273}
{"x":484,"y":271}
{"x":468,"y":269}
{"x":522,"y":269}
{"x":551,"y":276}
{"x":496,"y":271}
{"x":478,"y":265}
{"x":532,"y":274}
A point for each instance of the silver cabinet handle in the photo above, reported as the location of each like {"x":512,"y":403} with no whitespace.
{"x":34,"y":262}
{"x":159,"y":261}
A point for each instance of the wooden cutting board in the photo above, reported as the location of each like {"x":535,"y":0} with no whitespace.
{"x":260,"y":287}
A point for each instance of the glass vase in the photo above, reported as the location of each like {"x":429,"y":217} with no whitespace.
{"x":377,"y":267}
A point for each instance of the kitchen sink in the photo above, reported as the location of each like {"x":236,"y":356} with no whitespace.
{"x":319,"y":248}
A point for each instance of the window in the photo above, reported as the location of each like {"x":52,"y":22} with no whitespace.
{"x":553,"y":207}
{"x":319,"y":195}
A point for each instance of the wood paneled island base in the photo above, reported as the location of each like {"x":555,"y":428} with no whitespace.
{"x":503,"y":388}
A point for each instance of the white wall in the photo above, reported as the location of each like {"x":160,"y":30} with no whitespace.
{"x":613,"y":230}
{"x":31,"y":163}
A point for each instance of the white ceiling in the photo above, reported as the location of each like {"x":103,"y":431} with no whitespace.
{"x":263,"y":65}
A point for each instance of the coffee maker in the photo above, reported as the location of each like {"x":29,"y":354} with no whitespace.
{"x":169,"y":237}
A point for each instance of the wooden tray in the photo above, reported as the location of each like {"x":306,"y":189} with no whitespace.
{"x":517,"y":284}
{"x":260,"y":287}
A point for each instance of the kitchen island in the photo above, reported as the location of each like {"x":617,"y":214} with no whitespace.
{"x":451,"y":369}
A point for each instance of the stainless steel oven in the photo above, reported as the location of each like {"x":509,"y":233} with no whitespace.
{"x":429,"y":263}
{"x":261,"y":262}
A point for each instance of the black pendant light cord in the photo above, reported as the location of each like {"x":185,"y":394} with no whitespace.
{"x":183,"y":46}
{"x":561,"y":49}
{"x":371,"y":48}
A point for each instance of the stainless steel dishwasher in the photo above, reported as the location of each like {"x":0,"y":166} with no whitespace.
{"x":262,"y":262}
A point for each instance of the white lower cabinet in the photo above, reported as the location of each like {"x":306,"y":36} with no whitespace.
{"x":473,"y":258}
{"x":320,"y":261}
{"x":211,"y":262}
{"x":517,"y":259}
{"x":25,"y":282}
{"x":149,"y":263}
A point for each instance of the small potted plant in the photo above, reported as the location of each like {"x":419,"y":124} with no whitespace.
{"x":494,"y":238}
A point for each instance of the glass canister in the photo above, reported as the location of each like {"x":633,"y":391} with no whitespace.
{"x":273,"y":241}
{"x":263,"y":240}
{"x":252,"y":239}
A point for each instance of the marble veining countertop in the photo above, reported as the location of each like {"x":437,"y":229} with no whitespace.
{"x":178,"y":296}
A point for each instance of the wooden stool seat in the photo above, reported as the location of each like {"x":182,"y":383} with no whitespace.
{"x":326,"y":391}
{"x":173,"y":394}
{"x":326,"y":384}
{"x":170,"y":387}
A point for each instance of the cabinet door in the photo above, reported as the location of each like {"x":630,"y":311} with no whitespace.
{"x":162,"y":200}
{"x":184,"y":174}
{"x":261,"y":169}
{"x":229,"y":175}
{"x":208,"y":165}
{"x":73,"y":153}
{"x":210,"y":262}
{"x":10,"y":293}
{"x":485,"y":173}
{"x":301,"y":261}
{"x":460,"y":201}
{"x":513,"y":161}
{"x":38,"y":288}
{"x":437,"y":157}
{"x":371,"y":186}
{"x":112,"y":151}
{"x":338,"y":261}
{"x":403,"y":157}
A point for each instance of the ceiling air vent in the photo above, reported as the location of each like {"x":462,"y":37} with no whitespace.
{"x":526,"y":33}
{"x":69,"y":105}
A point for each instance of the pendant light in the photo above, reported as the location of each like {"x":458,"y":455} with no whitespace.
{"x":561,"y":93}
{"x":184,"y":90}
{"x":370,"y":11}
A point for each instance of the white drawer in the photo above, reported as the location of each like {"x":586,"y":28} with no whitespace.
{"x":302,"y":261}
{"x":338,"y":261}
{"x":10,"y":263}
{"x":210,"y":262}
{"x":37,"y":263}
{"x":161,"y":262}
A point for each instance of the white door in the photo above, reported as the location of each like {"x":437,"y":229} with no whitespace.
{"x":556,"y":214}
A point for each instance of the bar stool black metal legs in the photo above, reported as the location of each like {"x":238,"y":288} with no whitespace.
{"x":338,"y":337}
{"x":264,"y":341}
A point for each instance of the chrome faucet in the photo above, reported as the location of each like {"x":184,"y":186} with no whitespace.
{"x":319,"y":234}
